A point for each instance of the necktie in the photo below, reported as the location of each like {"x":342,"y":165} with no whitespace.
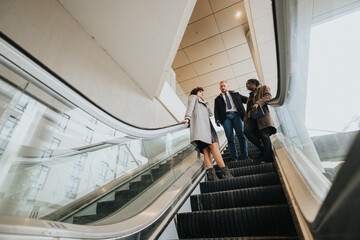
{"x":228,"y":101}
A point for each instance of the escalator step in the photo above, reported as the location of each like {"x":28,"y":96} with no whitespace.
{"x":249,"y":238}
{"x":108,"y":207}
{"x":237,"y":222}
{"x":241,"y":163}
{"x":256,"y":180}
{"x":238,"y":198}
{"x":248,"y":170}
{"x":87,"y":218}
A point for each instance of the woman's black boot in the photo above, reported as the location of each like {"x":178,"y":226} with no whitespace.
{"x":225,"y":173}
{"x":211,"y":174}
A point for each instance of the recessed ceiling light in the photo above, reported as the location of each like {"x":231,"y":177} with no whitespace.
{"x":238,"y":14}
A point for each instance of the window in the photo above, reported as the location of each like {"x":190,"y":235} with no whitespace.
{"x":88,"y":136}
{"x":72,"y":188}
{"x":111,"y":131}
{"x":103,"y":170}
{"x":92,"y":119}
{"x":23,"y":102}
{"x":80,"y":163}
{"x":37,"y":182}
{"x":63,"y":122}
{"x":6,"y":132}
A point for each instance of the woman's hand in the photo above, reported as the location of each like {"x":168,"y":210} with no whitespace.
{"x":185,"y":121}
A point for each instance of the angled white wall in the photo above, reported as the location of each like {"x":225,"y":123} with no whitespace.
{"x":46,"y":30}
{"x":141,"y":35}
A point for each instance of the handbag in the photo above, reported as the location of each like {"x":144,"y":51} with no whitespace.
{"x":260,"y":113}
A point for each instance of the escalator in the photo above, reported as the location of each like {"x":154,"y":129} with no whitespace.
{"x":251,"y":206}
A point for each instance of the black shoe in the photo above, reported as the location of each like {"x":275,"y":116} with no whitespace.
{"x":211,"y":174}
{"x":225,"y":173}
{"x":259,"y":160}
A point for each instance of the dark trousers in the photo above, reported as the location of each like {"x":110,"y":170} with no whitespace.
{"x":233,"y":121}
{"x":260,"y":138}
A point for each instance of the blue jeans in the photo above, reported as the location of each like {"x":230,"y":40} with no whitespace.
{"x":233,"y":121}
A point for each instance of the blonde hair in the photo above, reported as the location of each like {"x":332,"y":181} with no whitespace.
{"x":223,"y":81}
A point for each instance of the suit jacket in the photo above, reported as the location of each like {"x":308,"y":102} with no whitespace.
{"x":199,"y":113}
{"x":220,"y":106}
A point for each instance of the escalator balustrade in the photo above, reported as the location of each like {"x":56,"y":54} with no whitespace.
{"x":250,"y":206}
{"x":133,"y":189}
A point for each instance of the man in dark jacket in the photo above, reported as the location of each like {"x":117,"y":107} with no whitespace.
{"x":229,"y":111}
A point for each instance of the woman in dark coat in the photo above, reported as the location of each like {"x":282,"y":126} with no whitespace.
{"x":203,"y":134}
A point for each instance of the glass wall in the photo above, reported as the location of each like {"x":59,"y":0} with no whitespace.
{"x":53,"y":153}
{"x":321,"y":116}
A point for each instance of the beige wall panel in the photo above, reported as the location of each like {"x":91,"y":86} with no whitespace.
{"x":227,"y":19}
{"x":211,"y":63}
{"x":244,"y":67}
{"x":216,"y":76}
{"x":180,"y":60}
{"x":185,"y":73}
{"x":235,"y":36}
{"x":199,"y":31}
{"x":205,"y":48}
{"x":240,"y":53}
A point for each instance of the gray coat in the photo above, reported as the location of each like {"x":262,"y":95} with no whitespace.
{"x":199,"y":113}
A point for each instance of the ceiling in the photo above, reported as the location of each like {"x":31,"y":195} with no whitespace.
{"x":214,"y":48}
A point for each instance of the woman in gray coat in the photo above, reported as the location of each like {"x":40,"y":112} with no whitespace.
{"x":203,"y":134}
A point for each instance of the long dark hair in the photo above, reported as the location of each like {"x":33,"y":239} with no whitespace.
{"x":253,"y":81}
{"x":196,"y":90}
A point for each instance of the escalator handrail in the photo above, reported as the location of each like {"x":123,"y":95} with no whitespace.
{"x":145,"y":225}
{"x":21,"y":61}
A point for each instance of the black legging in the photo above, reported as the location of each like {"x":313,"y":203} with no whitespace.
{"x":260,"y":138}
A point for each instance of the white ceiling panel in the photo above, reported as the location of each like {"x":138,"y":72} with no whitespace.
{"x":189,"y":85}
{"x":211,"y":63}
{"x":216,"y":76}
{"x":212,"y":90}
{"x":185,"y":73}
{"x":244,"y":67}
{"x":180,"y":59}
{"x":233,"y":84}
{"x":239,"y":53}
{"x":244,"y":91}
{"x":205,"y":48}
{"x":227,"y":18}
{"x":199,"y":31}
{"x":235,"y":36}
{"x":217,"y":5}
{"x":241,"y":81}
{"x":202,"y":9}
